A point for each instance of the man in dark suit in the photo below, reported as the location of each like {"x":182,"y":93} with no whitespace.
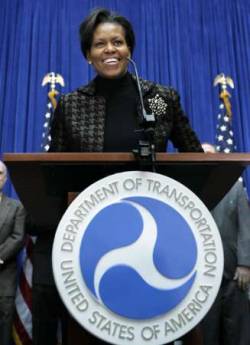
{"x":12,"y":218}
{"x":48,"y":310}
{"x":227,"y":322}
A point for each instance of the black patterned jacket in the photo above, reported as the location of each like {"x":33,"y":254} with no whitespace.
{"x":79,"y":120}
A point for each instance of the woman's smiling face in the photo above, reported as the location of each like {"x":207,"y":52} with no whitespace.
{"x":109,"y":51}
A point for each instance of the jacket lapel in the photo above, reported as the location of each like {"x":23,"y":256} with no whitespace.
{"x":4,"y":209}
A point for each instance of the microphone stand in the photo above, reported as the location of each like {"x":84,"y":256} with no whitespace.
{"x":146,"y":147}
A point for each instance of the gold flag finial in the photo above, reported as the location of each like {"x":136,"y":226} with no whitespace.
{"x":52,"y":79}
{"x":223,"y":82}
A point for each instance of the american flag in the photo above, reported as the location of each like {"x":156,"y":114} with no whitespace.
{"x":224,"y":132}
{"x":224,"y":140}
{"x":22,"y":327}
{"x":52,"y":79}
{"x":46,"y":138}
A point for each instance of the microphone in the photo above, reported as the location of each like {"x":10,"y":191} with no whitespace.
{"x":146,"y":148}
{"x":148,"y":119}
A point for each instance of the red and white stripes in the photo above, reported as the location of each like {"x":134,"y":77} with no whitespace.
{"x":22,"y":328}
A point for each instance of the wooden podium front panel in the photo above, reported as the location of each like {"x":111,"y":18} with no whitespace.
{"x":51,"y":175}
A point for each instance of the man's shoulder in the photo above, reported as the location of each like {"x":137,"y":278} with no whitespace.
{"x":236,"y":194}
{"x":11,"y":201}
{"x":238,"y":187}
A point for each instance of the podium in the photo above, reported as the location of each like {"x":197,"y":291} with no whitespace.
{"x":43,"y":180}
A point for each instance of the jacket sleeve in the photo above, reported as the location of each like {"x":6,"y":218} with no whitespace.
{"x":58,"y":133}
{"x":13,"y":243}
{"x":182,"y":135}
{"x":243,"y":212}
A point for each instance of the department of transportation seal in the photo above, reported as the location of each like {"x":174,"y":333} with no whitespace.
{"x":137,"y":259}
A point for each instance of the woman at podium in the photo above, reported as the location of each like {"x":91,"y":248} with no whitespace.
{"x":108,"y":114}
{"x":116,"y":111}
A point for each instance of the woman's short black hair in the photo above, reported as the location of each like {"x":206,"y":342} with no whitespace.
{"x":99,"y":16}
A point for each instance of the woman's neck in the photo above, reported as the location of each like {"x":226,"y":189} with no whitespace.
{"x":104,"y":86}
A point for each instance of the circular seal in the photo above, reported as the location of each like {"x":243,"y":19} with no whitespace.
{"x":137,"y":259}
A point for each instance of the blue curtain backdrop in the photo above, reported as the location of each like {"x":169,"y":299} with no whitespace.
{"x":183,"y":43}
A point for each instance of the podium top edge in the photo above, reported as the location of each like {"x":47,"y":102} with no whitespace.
{"x":126,"y":157}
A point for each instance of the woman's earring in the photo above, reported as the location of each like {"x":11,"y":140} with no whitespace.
{"x":90,"y":62}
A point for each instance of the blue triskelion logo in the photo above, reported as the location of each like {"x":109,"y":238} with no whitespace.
{"x":137,"y":258}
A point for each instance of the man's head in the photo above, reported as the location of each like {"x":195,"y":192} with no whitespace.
{"x":3,"y":175}
{"x":208,"y":148}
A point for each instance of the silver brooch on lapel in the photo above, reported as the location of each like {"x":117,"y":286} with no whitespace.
{"x":157,"y":105}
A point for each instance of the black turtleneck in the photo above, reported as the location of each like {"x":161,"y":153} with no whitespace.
{"x":121,"y":97}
